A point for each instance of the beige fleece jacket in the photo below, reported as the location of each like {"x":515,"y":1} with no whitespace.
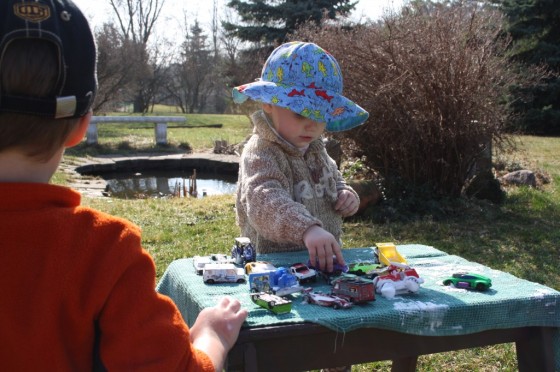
{"x":281,"y":191}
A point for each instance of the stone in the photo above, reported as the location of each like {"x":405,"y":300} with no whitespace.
{"x":522,"y":177}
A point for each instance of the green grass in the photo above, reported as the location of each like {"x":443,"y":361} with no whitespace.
{"x":138,"y":138}
{"x":521,"y":236}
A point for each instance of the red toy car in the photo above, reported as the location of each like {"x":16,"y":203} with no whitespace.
{"x":327,"y":300}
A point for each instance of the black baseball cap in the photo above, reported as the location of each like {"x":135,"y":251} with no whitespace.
{"x":63,"y":24}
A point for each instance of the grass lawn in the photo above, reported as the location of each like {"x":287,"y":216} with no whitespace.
{"x":521,"y":236}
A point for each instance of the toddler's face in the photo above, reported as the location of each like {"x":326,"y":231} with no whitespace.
{"x":294,"y":128}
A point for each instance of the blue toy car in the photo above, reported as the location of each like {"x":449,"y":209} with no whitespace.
{"x":243,"y":251}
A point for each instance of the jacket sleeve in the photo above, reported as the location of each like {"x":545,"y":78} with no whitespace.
{"x":140,"y":329}
{"x":267,"y":195}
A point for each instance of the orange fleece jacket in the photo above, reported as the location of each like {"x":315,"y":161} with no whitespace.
{"x":68,"y":270}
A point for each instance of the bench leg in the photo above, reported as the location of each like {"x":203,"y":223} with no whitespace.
{"x":161,"y":133}
{"x":91,"y":135}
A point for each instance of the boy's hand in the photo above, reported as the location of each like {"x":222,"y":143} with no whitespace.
{"x":322,"y":247}
{"x":216,"y":329}
{"x":347,"y":203}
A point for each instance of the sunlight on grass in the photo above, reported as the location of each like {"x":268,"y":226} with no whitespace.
{"x":521,"y":236}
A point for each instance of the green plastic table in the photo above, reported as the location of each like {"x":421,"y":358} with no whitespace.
{"x":436,"y":319}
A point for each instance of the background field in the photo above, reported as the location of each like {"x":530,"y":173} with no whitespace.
{"x":521,"y":236}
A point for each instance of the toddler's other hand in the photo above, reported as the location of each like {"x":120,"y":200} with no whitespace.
{"x":216,"y":329}
{"x":347,"y":203}
{"x":322,"y":246}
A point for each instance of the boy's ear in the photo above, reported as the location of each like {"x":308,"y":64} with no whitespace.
{"x":79,"y":131}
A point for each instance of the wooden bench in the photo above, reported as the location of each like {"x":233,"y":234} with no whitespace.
{"x":159,"y":121}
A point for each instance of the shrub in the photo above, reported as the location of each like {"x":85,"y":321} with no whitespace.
{"x":432,"y":80}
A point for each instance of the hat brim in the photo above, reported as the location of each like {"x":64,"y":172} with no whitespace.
{"x":338,"y":112}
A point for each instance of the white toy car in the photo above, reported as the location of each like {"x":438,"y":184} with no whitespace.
{"x":303,"y":273}
{"x":259,"y":267}
{"x":200,"y":261}
{"x":222,"y":273}
{"x":399,"y":280}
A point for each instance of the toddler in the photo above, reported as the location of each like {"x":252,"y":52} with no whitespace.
{"x":291,"y":195}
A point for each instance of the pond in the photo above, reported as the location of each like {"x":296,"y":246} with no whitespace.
{"x":163,"y":184}
{"x":165,"y":176}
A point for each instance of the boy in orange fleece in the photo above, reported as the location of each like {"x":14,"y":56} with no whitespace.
{"x":77,"y":289}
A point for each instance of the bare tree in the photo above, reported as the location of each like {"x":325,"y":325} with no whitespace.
{"x":136,"y":20}
{"x":115,"y":71}
{"x":215,"y":28}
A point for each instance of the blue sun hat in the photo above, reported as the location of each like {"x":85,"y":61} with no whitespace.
{"x":306,"y":79}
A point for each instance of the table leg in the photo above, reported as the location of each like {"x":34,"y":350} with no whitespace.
{"x":250,"y":356}
{"x":404,"y":364}
{"x":536,"y":353}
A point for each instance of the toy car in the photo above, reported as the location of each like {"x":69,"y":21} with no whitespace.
{"x":356,"y":290}
{"x":243,"y":251}
{"x":280,"y":282}
{"x":222,"y":273}
{"x":303,"y":273}
{"x":274,"y":303}
{"x":259,"y":267}
{"x":401,"y":279}
{"x":327,"y":300}
{"x":200,"y":261}
{"x":363,"y":267}
{"x":338,"y":270}
{"x":469,"y":281}
{"x":388,"y":254}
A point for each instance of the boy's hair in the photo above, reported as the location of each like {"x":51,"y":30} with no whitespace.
{"x":47,"y":74}
{"x":30,"y":67}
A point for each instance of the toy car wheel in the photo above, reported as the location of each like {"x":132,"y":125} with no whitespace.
{"x":336,"y":306}
{"x":447,"y":282}
{"x":240,"y":280}
{"x":359,"y":272}
{"x":480,"y":287}
{"x":271,"y":304}
{"x":210,"y":281}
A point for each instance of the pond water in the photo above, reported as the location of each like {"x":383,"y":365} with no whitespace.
{"x":154,"y":184}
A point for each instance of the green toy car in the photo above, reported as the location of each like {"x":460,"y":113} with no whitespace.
{"x":469,"y":281}
{"x":276,"y":304}
{"x":363,"y":267}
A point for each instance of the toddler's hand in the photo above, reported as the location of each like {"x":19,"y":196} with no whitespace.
{"x":347,"y":203}
{"x":216,"y":329}
{"x":322,"y":246}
